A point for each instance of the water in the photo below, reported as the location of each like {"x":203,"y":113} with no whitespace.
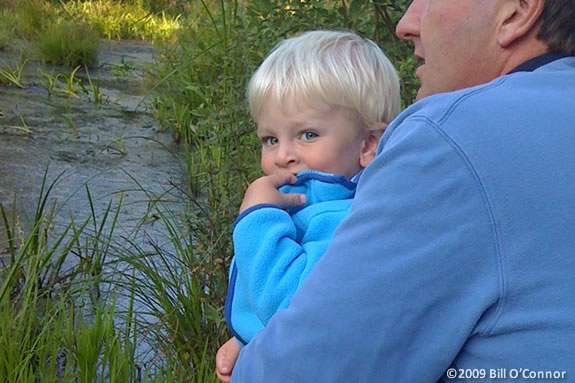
{"x":112,"y":149}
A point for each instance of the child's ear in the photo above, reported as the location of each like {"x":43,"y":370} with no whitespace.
{"x":369,"y":147}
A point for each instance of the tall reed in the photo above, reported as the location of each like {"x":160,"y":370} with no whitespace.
{"x":55,"y":325}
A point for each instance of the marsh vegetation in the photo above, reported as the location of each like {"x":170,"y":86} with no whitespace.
{"x":122,"y":168}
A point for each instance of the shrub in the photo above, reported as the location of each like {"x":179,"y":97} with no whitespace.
{"x":123,"y":20}
{"x":69,"y":43}
{"x":7,"y":29}
{"x":32,"y":16}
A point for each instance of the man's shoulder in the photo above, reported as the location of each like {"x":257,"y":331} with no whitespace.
{"x":442,"y":112}
{"x":437,"y":108}
{"x":489,"y":103}
{"x":438,"y":105}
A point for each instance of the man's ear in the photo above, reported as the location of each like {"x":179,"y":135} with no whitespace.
{"x":518,"y":19}
{"x":370,"y":141}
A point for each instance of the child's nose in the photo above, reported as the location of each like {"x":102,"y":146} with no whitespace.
{"x":286,"y":156}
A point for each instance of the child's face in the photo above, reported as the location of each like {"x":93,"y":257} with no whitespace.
{"x":325,"y":138}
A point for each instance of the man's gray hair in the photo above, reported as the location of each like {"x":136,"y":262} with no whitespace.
{"x":558,"y":26}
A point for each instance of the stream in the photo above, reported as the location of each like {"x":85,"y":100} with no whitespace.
{"x":111,"y":148}
{"x":114,"y":149}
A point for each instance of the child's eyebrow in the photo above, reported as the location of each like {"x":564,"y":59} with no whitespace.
{"x":296,"y":126}
{"x":264,"y":131}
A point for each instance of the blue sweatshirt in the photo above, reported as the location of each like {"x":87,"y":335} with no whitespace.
{"x":276,"y":249}
{"x":458,"y":252}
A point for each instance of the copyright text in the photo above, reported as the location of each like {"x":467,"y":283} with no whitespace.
{"x":505,"y":373}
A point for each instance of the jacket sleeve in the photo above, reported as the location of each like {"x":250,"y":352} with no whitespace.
{"x":270,"y":258}
{"x":410,"y":275}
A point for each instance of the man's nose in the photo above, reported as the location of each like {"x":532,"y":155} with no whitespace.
{"x":408,"y":26}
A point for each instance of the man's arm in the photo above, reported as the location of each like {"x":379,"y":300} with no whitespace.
{"x":405,"y":282}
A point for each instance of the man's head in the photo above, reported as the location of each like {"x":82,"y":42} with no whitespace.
{"x":310,"y":90}
{"x":463,"y":43}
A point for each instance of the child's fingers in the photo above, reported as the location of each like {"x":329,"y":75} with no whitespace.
{"x":283,"y":178}
{"x":293,"y":200}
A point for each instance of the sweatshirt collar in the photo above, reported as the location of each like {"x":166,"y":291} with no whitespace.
{"x":537,"y":62}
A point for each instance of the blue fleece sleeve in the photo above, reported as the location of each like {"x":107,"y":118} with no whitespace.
{"x":410,"y":275}
{"x":271,"y":263}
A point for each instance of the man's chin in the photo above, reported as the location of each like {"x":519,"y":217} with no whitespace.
{"x":421,"y":93}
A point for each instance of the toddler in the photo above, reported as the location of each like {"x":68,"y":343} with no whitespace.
{"x":320,"y":101}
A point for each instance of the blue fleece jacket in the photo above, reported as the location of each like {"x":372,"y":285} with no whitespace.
{"x":458,"y":252}
{"x":276,"y":249}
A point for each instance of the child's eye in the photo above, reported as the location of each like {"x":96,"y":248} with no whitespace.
{"x":309,"y":136}
{"x":269,"y":141}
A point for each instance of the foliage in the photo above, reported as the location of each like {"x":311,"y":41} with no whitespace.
{"x":47,"y":333}
{"x":7,"y":29}
{"x":115,"y":20}
{"x":52,"y":80}
{"x":97,"y":95}
{"x":206,"y":73}
{"x":13,"y":76}
{"x":123,"y":70}
{"x":170,"y":7}
{"x":69,"y":84}
{"x":69,"y":43}
{"x":68,"y":30}
{"x":32,"y":16}
{"x":175,"y":287}
{"x":23,"y":19}
{"x":76,"y":303}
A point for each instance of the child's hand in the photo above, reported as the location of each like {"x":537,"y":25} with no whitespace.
{"x":265,"y":190}
{"x":225,"y":360}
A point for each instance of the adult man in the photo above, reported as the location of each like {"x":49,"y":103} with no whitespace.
{"x":457,"y":261}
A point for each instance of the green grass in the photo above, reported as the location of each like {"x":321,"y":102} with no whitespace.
{"x":75,"y":304}
{"x":52,"y":80}
{"x":32,"y":16}
{"x":13,"y":76}
{"x":67,"y":32}
{"x":7,"y":29}
{"x":94,"y":90}
{"x":69,"y":43}
{"x":203,"y":77}
{"x":117,"y":20}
